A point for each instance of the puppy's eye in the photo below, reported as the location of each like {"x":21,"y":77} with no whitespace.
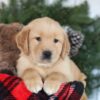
{"x":56,"y":40}
{"x":38,"y":38}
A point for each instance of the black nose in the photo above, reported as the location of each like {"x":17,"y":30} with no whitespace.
{"x":47,"y":55}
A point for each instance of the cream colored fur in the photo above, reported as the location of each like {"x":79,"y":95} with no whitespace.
{"x":36,"y":72}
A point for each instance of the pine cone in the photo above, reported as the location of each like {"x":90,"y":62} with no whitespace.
{"x":76,"y":40}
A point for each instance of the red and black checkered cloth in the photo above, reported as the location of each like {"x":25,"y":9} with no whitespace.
{"x":13,"y":88}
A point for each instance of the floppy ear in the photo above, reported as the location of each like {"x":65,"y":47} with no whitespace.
{"x":22,"y":40}
{"x":66,"y":47}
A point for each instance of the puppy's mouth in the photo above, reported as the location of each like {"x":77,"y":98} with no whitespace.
{"x":45,"y":63}
{"x":45,"y":60}
{"x":46,"y":57}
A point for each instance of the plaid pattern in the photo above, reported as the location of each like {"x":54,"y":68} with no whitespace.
{"x":13,"y":88}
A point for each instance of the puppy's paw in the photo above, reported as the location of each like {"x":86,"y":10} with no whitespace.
{"x":51,"y":86}
{"x":34,"y":84}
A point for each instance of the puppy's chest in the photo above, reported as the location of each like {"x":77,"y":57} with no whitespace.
{"x":63,"y":68}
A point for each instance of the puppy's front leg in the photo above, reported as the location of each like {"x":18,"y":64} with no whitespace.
{"x":53,"y":82}
{"x":32,"y":80}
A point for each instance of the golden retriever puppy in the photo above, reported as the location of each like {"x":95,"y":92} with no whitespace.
{"x":44,"y":60}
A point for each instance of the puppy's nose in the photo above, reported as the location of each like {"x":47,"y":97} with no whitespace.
{"x":47,"y":54}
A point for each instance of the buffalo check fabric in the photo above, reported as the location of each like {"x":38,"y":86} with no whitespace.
{"x":13,"y":88}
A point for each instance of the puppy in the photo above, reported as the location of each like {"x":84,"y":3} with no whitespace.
{"x":44,"y":60}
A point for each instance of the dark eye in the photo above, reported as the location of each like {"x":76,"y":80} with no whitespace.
{"x":38,"y":38}
{"x":56,"y":40}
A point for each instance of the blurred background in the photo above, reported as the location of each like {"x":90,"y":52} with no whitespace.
{"x":81,"y":15}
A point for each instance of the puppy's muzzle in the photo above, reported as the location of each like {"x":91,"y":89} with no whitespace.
{"x":46,"y":55}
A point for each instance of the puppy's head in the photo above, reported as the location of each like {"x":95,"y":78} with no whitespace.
{"x":44,"y":41}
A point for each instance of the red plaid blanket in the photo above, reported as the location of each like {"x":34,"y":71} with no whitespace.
{"x":13,"y":88}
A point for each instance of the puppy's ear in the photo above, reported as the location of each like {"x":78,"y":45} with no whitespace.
{"x":66,"y":47}
{"x":22,"y":40}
